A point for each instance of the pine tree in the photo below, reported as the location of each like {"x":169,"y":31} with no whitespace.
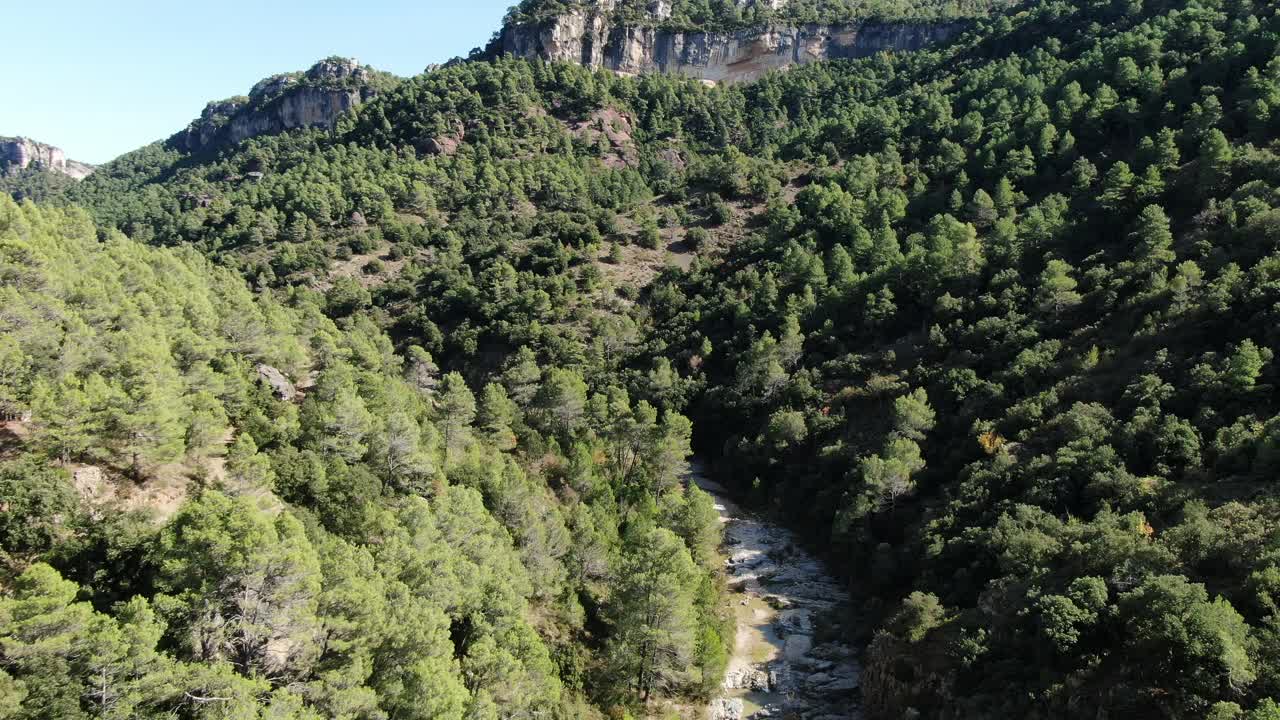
{"x":456,"y":408}
{"x":664,"y":383}
{"x":885,"y":248}
{"x":786,"y":428}
{"x":1216,"y":157}
{"x":880,"y":308}
{"x":840,"y":268}
{"x":1005,"y":197}
{"x":496,"y":416}
{"x":1083,"y":174}
{"x":416,"y":675}
{"x":562,"y":401}
{"x":791,"y":343}
{"x":760,"y":371}
{"x":1166,"y":153}
{"x":1057,"y":290}
{"x":206,"y":425}
{"x":652,"y":640}
{"x":14,"y":372}
{"x":41,"y":506}
{"x":888,"y":477}
{"x":1150,"y":185}
{"x":1245,"y":365}
{"x":982,"y":209}
{"x":422,"y":371}
{"x":668,"y":455}
{"x":341,"y":424}
{"x":1185,"y":286}
{"x":1117,"y":187}
{"x":144,"y":423}
{"x":240,"y":585}
{"x":247,"y":469}
{"x":73,"y":661}
{"x":1153,"y":240}
{"x":521,"y":377}
{"x":698,"y":522}
{"x":912,"y":415}
{"x":64,"y":422}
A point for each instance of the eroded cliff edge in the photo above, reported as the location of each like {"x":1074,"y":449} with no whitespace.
{"x":316,"y":98}
{"x":19,"y":153}
{"x":592,"y":37}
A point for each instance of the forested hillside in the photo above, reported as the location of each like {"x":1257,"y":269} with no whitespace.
{"x":365,"y":545}
{"x":1012,"y":349}
{"x":36,"y":184}
{"x":994,"y":323}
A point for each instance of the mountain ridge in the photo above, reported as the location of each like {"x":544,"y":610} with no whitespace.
{"x":310,"y":99}
{"x":754,"y":38}
{"x":731,"y":56}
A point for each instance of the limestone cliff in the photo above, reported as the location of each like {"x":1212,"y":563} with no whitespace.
{"x":316,"y":98}
{"x":593,"y":34}
{"x":19,"y":153}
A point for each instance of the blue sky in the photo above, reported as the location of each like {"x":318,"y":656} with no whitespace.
{"x":101,"y":78}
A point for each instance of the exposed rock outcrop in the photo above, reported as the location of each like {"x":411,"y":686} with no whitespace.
{"x":612,"y":131}
{"x":446,"y":143}
{"x":726,"y":709}
{"x":591,"y":36}
{"x":280,"y":384}
{"x":316,"y":98}
{"x":19,"y":153}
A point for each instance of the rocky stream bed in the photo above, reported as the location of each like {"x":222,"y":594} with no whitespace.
{"x":783,"y":664}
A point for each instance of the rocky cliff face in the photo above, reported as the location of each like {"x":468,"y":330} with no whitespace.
{"x":316,"y":98}
{"x":590,"y":36}
{"x":18,"y":153}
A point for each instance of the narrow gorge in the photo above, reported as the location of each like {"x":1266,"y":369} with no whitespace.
{"x":788,"y":657}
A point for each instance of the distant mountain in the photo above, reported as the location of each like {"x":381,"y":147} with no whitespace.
{"x":31,"y":170}
{"x":19,"y":153}
{"x":314,"y":98}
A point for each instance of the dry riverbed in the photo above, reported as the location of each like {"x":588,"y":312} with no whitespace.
{"x":780,"y":667}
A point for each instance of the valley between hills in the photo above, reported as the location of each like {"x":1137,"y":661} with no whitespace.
{"x":808,"y":359}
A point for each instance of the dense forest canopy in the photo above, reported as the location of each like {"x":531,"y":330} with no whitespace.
{"x":994,"y":323}
{"x":367,"y":545}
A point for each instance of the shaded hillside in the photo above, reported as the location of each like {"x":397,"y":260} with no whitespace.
{"x":1011,"y":356}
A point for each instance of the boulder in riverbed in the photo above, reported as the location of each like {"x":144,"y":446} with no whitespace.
{"x":749,"y":678}
{"x":726,"y":709}
{"x":796,"y":646}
